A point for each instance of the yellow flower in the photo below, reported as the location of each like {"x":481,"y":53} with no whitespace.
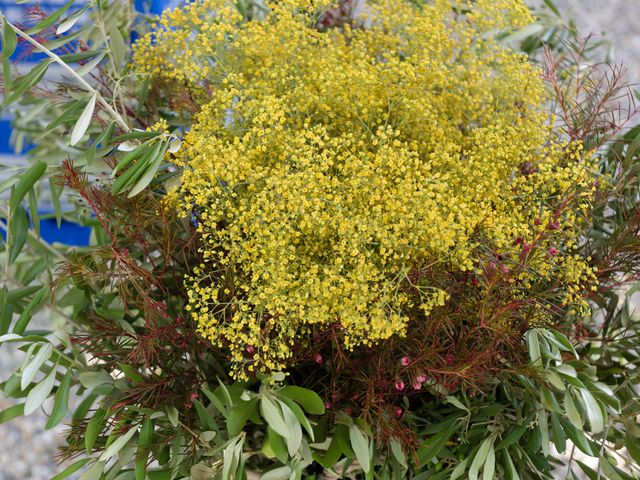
{"x":326,"y":167}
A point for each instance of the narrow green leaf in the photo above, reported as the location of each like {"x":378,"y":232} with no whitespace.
{"x":33,"y":366}
{"x":489,"y":465}
{"x":433,"y":445}
{"x":9,"y":42}
{"x":11,"y":413}
{"x":480,"y":458}
{"x":33,"y":211}
{"x":118,"y":46}
{"x":308,"y":399}
{"x":118,"y":444}
{"x":68,"y":23}
{"x":94,"y":427}
{"x":144,"y":442}
{"x":50,"y":20}
{"x":278,"y":445}
{"x":27,"y":180}
{"x":27,"y":313}
{"x":152,"y":169}
{"x":294,"y":440}
{"x":83,"y":122}
{"x":24,"y":83}
{"x":297,"y":411}
{"x":360,"y":447}
{"x":239,"y":415}
{"x":60,"y":401}
{"x":71,"y":469}
{"x":273,"y":415}
{"x":40,"y":393}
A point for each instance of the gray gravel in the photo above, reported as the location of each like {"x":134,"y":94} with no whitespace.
{"x":29,"y":451}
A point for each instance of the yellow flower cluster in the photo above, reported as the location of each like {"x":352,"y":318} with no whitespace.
{"x":324,"y":168}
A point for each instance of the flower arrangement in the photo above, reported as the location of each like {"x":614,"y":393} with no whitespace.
{"x":385,"y":240}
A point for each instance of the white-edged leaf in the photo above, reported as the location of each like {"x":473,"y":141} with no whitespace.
{"x":512,"y":467}
{"x":572,"y":412}
{"x":83,"y":122}
{"x":174,"y":145}
{"x":118,"y":444}
{"x":280,"y":473}
{"x":68,"y":23}
{"x":594,"y":412}
{"x":294,"y":440}
{"x":360,"y":447}
{"x":31,"y":369}
{"x":89,"y":66}
{"x":9,"y":337}
{"x":489,"y":464}
{"x":480,"y":458}
{"x":459,"y":470}
{"x":273,"y":415}
{"x":95,"y":379}
{"x":40,"y":393}
{"x":533,"y":343}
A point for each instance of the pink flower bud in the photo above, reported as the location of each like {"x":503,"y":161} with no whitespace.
{"x":526,"y":248}
{"x":399,"y":385}
{"x":421,"y":378}
{"x":405,"y":361}
{"x":328,"y":405}
{"x":250,"y":349}
{"x":537,"y":221}
{"x":417,"y":385}
{"x":318,"y":359}
{"x":399,"y":412}
{"x":553,"y":251}
{"x":554,"y":225}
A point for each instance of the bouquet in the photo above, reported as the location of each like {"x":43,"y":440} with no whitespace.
{"x":381,"y":240}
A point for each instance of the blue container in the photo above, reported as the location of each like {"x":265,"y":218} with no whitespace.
{"x":69,"y":233}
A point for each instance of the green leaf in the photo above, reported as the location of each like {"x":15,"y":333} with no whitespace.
{"x":459,"y":470}
{"x":56,"y":193}
{"x":294,"y":440}
{"x":95,"y":378}
{"x":239,"y":415}
{"x":18,"y":232}
{"x":118,"y":46}
{"x":433,"y":445}
{"x":398,"y":454}
{"x":40,"y":393}
{"x":273,"y":415}
{"x":68,"y":23}
{"x":60,"y":401}
{"x":308,"y":399}
{"x":594,"y":412}
{"x":27,"y":313}
{"x":71,"y":469}
{"x":12,"y":412}
{"x":9,"y":42}
{"x":304,"y":421}
{"x":94,"y":427}
{"x":27,"y":180}
{"x":480,"y":458}
{"x":571,"y":411}
{"x":577,"y":437}
{"x":25,"y":82}
{"x":152,"y":169}
{"x":50,"y":20}
{"x":489,"y":465}
{"x":83,"y":122}
{"x":515,"y":433}
{"x":144,"y":442}
{"x":278,"y":445}
{"x":533,"y":343}
{"x":118,"y":444}
{"x":360,"y":447}
{"x":33,"y":366}
{"x":33,"y":211}
{"x":279,"y":473}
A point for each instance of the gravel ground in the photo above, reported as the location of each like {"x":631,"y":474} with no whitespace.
{"x":29,"y":450}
